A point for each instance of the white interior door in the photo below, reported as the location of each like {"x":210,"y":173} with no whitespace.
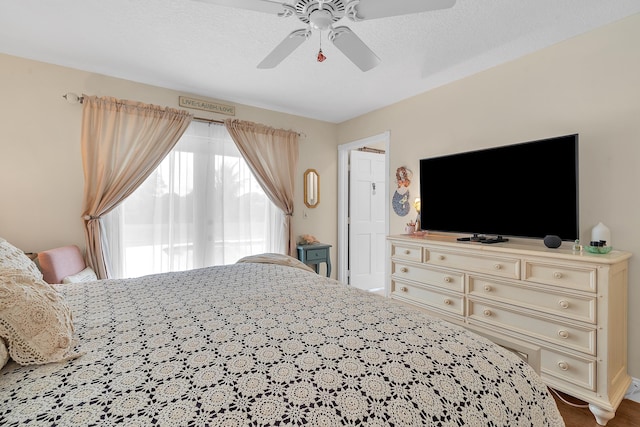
{"x":367,"y":231}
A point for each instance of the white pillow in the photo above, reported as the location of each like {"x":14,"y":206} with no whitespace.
{"x":4,"y":353}
{"x":86,"y":275}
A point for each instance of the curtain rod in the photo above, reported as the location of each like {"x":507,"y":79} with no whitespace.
{"x":301,"y":134}
{"x":371,"y":150}
{"x":72,"y":98}
{"x":201,"y":119}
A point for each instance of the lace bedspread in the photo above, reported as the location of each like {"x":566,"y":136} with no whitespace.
{"x":260,"y":344}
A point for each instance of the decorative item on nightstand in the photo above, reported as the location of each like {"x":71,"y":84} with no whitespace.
{"x":307,"y":239}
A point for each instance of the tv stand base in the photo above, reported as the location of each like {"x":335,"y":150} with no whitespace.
{"x":482,"y":239}
{"x":498,"y":239}
{"x":474,"y":238}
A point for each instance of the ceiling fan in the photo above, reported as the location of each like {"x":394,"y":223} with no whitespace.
{"x":323,"y":14}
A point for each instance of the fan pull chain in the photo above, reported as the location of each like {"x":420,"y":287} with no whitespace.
{"x":320,"y":56}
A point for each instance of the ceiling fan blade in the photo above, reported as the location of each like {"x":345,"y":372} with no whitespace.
{"x":373,"y":9}
{"x":285,"y":48}
{"x":267,"y":6}
{"x":354,"y":48}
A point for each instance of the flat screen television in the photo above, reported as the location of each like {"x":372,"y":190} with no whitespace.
{"x":525,"y":190}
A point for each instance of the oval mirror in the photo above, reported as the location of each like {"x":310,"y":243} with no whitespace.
{"x":311,"y":188}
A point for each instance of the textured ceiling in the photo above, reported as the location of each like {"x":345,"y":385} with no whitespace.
{"x":198,"y":48}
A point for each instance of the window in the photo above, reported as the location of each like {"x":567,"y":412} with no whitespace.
{"x":202,"y":206}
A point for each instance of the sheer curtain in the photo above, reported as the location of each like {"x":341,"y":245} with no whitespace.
{"x":122,"y":142}
{"x":202,"y":206}
{"x":272,"y":155}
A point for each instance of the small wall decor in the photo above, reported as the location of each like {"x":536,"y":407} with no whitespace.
{"x":400,"y":201}
{"x":200,"y":104}
{"x":311,"y":188}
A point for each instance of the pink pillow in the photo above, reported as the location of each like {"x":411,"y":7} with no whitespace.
{"x":58,"y":263}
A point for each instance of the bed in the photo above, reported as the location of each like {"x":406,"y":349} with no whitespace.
{"x":262,"y":343}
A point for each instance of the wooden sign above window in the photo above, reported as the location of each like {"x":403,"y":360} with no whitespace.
{"x":200,"y":104}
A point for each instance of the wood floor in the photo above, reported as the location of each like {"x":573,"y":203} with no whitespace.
{"x":627,"y":415}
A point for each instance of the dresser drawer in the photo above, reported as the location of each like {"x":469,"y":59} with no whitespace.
{"x":554,"y":331}
{"x":577,"y":370}
{"x":496,"y":266}
{"x":428,"y":296}
{"x":577,"y":307}
{"x":406,"y":252}
{"x":316,"y":254}
{"x":450,"y":280}
{"x":565,"y":276}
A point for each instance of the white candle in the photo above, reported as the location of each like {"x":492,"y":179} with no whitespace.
{"x":601,"y":232}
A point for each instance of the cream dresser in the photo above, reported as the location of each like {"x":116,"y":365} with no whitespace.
{"x":565,"y":313}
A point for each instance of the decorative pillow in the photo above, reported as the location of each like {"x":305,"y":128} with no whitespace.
{"x":86,"y":275}
{"x":4,"y":353}
{"x":12,"y":258}
{"x":35,"y":321}
{"x":60,"y":262}
{"x":272,"y":258}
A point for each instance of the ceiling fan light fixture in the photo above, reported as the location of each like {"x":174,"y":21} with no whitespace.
{"x":320,"y":19}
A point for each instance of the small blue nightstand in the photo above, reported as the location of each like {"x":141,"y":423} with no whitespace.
{"x":315,"y":253}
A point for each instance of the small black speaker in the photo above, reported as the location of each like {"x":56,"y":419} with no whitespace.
{"x":552,"y":241}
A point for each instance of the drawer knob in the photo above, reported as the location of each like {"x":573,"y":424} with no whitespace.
{"x":447,"y":301}
{"x":557,"y":275}
{"x":563,"y":334}
{"x":563,"y":303}
{"x":498,"y":266}
{"x":404,"y":289}
{"x":487,"y":312}
{"x":441,"y":257}
{"x":563,"y":365}
{"x":407,"y":251}
{"x":448,"y":279}
{"x":487,"y":288}
{"x":404,"y":270}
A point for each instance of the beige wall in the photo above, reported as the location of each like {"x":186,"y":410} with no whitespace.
{"x":588,"y":85}
{"x":41,"y":168}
